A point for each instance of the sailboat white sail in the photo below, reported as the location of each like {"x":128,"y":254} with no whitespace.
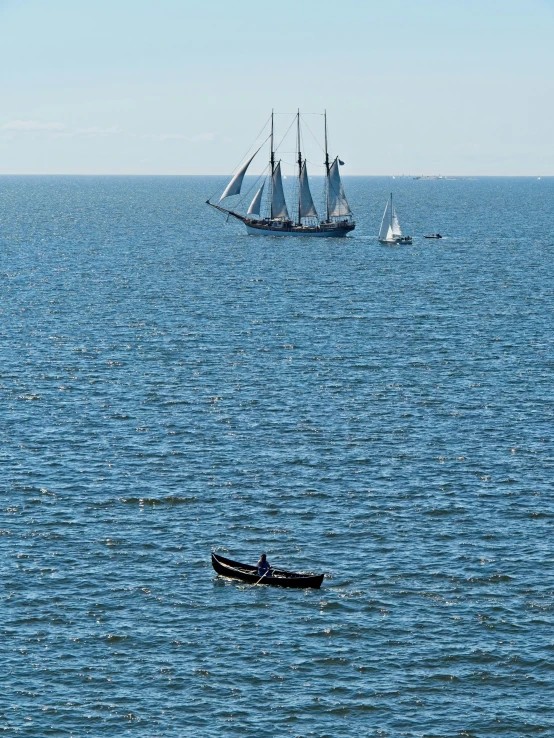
{"x":385,"y":232}
{"x":390,"y":231}
{"x":396,"y":230}
{"x":270,"y":216}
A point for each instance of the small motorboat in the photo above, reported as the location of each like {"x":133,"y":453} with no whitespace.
{"x":433,"y":235}
{"x":276,"y":577}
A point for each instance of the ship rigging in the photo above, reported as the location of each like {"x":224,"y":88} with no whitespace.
{"x":274,"y":219}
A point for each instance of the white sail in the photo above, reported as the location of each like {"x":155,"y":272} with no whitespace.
{"x":254,"y":208}
{"x":396,"y":230}
{"x":278,"y":203}
{"x":337,"y":203}
{"x":306,"y":203}
{"x":233,"y":188}
{"x":386,"y":224}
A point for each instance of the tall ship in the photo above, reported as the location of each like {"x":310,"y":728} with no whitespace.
{"x":270,"y":215}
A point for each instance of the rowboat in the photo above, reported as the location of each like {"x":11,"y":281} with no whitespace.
{"x":276,"y":577}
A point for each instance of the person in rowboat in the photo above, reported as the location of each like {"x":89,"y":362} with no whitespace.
{"x":263,"y":565}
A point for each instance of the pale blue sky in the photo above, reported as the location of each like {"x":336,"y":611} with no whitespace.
{"x":176,"y":87}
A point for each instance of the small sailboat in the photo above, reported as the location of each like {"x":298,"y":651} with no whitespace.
{"x":269,"y":215}
{"x":390,"y":231}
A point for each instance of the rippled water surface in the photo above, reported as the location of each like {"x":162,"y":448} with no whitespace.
{"x":170,"y":386}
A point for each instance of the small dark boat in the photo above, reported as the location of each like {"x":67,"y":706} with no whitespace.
{"x":433,"y":235}
{"x":276,"y":577}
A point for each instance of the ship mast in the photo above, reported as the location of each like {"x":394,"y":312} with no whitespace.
{"x":271,"y":168}
{"x":326,"y":167}
{"x":272,"y":155}
{"x":299,"y":167}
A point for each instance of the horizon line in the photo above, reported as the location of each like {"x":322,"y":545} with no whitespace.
{"x":173,"y":174}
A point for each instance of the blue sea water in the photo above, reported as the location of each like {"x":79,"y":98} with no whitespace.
{"x":169,"y":386}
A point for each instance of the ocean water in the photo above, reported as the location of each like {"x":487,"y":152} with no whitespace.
{"x":169,"y":386}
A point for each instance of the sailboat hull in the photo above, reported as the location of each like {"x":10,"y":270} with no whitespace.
{"x":396,"y":240}
{"x":325,"y":230}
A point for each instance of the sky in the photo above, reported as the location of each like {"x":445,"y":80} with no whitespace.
{"x":418,"y":87}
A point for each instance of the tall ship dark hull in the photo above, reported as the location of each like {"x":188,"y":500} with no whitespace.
{"x":269,"y":214}
{"x":323,"y":230}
